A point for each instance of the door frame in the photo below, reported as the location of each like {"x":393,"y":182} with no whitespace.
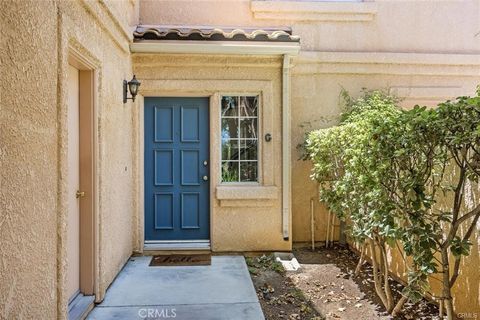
{"x":144,"y":245}
{"x":88,"y":164}
{"x":183,"y":244}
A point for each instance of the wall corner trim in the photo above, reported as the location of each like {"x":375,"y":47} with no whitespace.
{"x":314,"y":11}
{"x":388,"y":63}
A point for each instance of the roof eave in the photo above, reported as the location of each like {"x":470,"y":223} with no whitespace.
{"x":215,"y":47}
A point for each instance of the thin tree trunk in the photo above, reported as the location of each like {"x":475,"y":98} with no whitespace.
{"x":440,"y":311}
{"x":446,"y":292}
{"x":386,"y":284}
{"x":361,"y":260}
{"x":399,"y":306}
{"x":377,"y":281}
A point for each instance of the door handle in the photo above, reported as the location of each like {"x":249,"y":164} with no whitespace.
{"x":80,"y":194}
{"x":205,"y":178}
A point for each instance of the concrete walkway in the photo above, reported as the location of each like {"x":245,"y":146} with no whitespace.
{"x":223,"y":290}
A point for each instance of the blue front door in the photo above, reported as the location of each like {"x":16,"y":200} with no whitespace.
{"x":177,"y":169}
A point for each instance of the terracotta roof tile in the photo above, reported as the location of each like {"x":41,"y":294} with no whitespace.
{"x":148,"y":32}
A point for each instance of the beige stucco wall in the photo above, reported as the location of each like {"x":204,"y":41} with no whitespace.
{"x":426,"y":51}
{"x":35,"y":44}
{"x":242,"y":217}
{"x":28,"y":162}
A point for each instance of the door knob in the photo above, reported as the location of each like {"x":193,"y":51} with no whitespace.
{"x":205,"y":178}
{"x":80,"y":194}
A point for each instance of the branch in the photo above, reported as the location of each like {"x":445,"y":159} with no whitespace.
{"x":399,"y":306}
{"x":360,"y":261}
{"x":467,"y":216}
{"x":436,"y":185}
{"x":457,"y":203}
{"x":465,"y":237}
{"x":455,"y":157}
{"x":456,"y":267}
{"x":473,"y":169}
{"x":401,"y":253}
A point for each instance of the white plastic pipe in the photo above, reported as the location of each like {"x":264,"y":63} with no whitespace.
{"x":286,"y":187}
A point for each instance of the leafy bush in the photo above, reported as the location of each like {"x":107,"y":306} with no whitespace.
{"x":386,"y":171}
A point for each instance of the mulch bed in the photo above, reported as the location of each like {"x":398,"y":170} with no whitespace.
{"x":325,"y":288}
{"x":338,"y":265}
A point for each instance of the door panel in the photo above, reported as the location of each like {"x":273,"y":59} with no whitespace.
{"x":73,"y":181}
{"x":190,"y":160}
{"x":176,"y":162}
{"x":163,"y":167}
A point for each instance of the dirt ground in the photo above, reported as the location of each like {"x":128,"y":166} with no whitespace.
{"x":278,"y":296}
{"x":324,"y":288}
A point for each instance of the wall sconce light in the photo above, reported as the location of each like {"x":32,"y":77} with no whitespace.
{"x":131,"y":86}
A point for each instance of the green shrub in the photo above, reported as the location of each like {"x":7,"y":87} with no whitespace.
{"x":385,"y":169}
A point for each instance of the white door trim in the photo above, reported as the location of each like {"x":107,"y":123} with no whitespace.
{"x":152,"y":245}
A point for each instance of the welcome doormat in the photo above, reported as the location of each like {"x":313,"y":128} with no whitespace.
{"x":181,"y":260}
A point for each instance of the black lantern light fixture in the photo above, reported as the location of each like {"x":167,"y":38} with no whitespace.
{"x":131,"y":86}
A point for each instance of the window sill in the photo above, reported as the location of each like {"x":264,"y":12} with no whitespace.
{"x":246,"y":192}
{"x":314,"y":11}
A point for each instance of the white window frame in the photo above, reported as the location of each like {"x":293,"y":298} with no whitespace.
{"x":259,"y":140}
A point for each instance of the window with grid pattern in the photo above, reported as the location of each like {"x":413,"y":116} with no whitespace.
{"x":239,"y":134}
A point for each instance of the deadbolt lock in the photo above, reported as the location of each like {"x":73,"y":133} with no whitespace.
{"x":205,"y":178}
{"x":80,"y":194}
{"x":205,"y":163}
